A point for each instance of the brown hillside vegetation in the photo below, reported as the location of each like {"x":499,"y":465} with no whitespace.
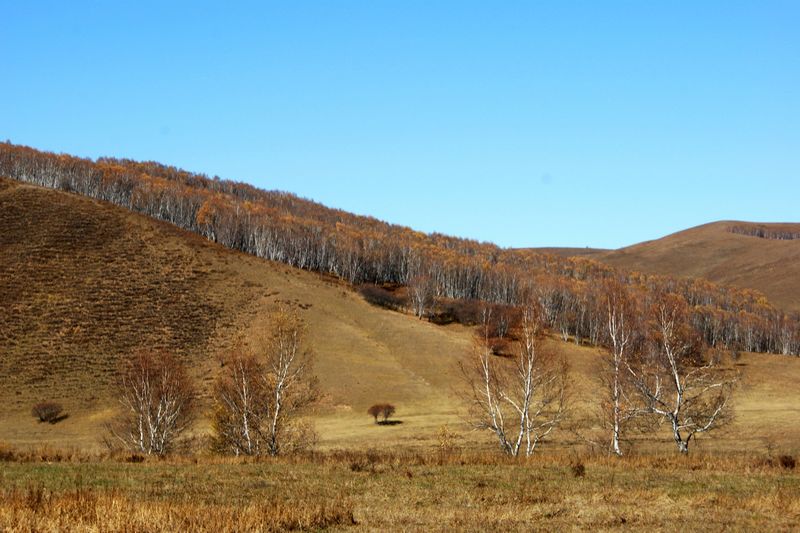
{"x":570,"y":252}
{"x":714,"y":252}
{"x":282,"y":227}
{"x":84,"y":283}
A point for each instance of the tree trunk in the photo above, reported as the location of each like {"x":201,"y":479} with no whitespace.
{"x":683,"y":446}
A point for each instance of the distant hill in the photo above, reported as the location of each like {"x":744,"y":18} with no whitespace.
{"x":748,"y":255}
{"x":765,"y":257}
{"x":569,"y":252}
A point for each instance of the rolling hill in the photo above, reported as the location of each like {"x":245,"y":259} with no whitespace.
{"x":714,"y":252}
{"x":84,"y":283}
{"x":282,"y":227}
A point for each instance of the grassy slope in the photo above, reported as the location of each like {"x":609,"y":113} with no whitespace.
{"x":570,"y":252}
{"x":83,"y":283}
{"x":712,"y":252}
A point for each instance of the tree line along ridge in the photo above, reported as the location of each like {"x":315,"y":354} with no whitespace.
{"x":436,"y":269}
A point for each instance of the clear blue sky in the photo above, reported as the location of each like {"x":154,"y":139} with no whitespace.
{"x":523,"y":123}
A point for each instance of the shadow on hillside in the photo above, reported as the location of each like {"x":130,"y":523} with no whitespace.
{"x":390,"y":422}
{"x":55,"y":420}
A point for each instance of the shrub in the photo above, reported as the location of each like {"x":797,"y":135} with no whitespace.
{"x":578,"y":469}
{"x":381,"y":409}
{"x":375,"y":411}
{"x":787,"y":462}
{"x":381,"y":297}
{"x":387,"y":411}
{"x":50,"y":412}
{"x":500,"y":346}
{"x":7,"y":453}
{"x":441,"y":318}
{"x":467,"y":312}
{"x":447,"y":440}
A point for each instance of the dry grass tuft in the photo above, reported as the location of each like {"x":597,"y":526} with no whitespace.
{"x":787,"y":461}
{"x":578,"y":469}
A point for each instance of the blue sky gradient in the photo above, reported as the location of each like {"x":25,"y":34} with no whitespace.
{"x":529,"y":123}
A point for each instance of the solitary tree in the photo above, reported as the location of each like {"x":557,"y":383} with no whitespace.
{"x":50,"y":412}
{"x":676,"y":378}
{"x":157,"y":397}
{"x":264,"y":389}
{"x":520,"y":401}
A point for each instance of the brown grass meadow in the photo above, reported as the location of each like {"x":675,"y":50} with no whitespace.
{"x":399,"y":491}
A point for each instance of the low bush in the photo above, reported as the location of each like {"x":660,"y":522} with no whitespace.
{"x":578,"y":469}
{"x":384,"y":410}
{"x":50,"y":412}
{"x":382,"y":297}
{"x":467,"y":312}
{"x":787,"y":462}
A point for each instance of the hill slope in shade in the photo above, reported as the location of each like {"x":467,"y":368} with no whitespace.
{"x":83,"y":283}
{"x":715,"y":253}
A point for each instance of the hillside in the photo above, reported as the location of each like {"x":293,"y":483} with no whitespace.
{"x":84,"y":283}
{"x":570,"y":252}
{"x":282,"y":227}
{"x":713,"y":252}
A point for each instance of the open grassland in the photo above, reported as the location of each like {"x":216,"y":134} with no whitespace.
{"x":384,"y":492}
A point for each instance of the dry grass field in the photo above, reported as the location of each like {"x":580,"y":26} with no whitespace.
{"x":403,"y":492}
{"x":83,"y":284}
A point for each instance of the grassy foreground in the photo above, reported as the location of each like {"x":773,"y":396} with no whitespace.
{"x":400,"y":492}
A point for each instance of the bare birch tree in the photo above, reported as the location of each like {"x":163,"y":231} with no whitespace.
{"x":158,"y":398}
{"x":241,"y":403}
{"x":677,"y":379}
{"x":420,"y":292}
{"x":263,"y":392}
{"x":620,"y":340}
{"x":520,"y":401}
